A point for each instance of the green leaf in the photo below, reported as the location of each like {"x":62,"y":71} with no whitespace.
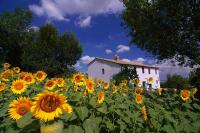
{"x":103,"y":108}
{"x":93,"y":102}
{"x":91,"y":125}
{"x":77,"y":97}
{"x":196,"y":106}
{"x":3,"y":110}
{"x":73,"y":129}
{"x":25,"y":120}
{"x":66,"y":117}
{"x":82,"y":112}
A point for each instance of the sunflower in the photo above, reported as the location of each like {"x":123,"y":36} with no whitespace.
{"x":3,"y":86}
{"x":16,"y":69}
{"x":79,"y":77}
{"x":99,"y":81}
{"x":6,"y":65}
{"x":133,"y":81}
{"x":139,"y":90}
{"x":40,"y":75}
{"x":50,"y":84}
{"x":6,"y":75}
{"x":106,"y":85}
{"x":151,"y":80}
{"x":101,"y":97}
{"x":60,"y":82}
{"x":67,"y":108}
{"x":125,"y":82}
{"x":114,"y":89}
{"x":137,"y":81}
{"x":19,"y":107}
{"x":159,"y":91}
{"x":138,"y":99}
{"x":49,"y":105}
{"x":185,"y":95}
{"x":144,"y":112}
{"x":194,"y":91}
{"x":19,"y":86}
{"x":22,"y":75}
{"x":89,"y":85}
{"x":29,"y":78}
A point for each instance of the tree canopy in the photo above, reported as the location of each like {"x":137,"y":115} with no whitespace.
{"x":33,"y":50}
{"x":50,"y":51}
{"x":14,"y":28}
{"x":176,"y":81}
{"x":165,"y":28}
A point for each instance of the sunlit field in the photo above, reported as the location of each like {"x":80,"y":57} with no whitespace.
{"x":32,"y":102}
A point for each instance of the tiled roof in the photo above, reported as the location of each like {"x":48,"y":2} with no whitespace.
{"x":121,"y":62}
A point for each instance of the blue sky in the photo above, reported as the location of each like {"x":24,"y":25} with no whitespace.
{"x":96,"y":23}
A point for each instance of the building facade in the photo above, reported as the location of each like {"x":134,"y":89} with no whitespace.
{"x":105,"y":69}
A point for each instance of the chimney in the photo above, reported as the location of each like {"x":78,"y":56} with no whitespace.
{"x":116,"y":57}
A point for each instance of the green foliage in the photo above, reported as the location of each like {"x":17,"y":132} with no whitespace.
{"x":176,"y":81}
{"x":126,"y":74}
{"x":14,"y":31}
{"x":165,"y":28}
{"x":33,"y":50}
{"x":194,"y":80}
{"x":51,"y":52}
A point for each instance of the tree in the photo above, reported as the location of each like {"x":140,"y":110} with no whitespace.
{"x":51,"y":52}
{"x":176,"y":81}
{"x":165,"y":28}
{"x":126,"y":74}
{"x":194,"y":78}
{"x":14,"y":29}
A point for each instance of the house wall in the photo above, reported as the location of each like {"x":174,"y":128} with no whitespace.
{"x":110,"y":69}
{"x":144,"y":76}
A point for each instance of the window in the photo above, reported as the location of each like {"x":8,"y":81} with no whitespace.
{"x":156,"y":81}
{"x":144,"y":84}
{"x":149,"y":70}
{"x":143,"y":70}
{"x":156,"y":71}
{"x":103,"y":71}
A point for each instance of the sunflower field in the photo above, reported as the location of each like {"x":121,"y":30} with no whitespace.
{"x":33,"y":103}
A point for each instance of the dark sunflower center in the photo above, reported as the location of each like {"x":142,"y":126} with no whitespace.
{"x":78,"y":78}
{"x":49,"y":103}
{"x":185,"y":95}
{"x":50,"y":84}
{"x":23,"y":110}
{"x":19,"y":86}
{"x":39,"y":75}
{"x":28,"y":79}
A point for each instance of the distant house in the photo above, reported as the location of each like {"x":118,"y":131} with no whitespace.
{"x":105,"y":69}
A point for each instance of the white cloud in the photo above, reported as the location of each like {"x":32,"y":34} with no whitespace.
{"x":140,"y":60}
{"x":127,"y":60}
{"x":37,"y":10}
{"x":59,"y":9}
{"x":77,"y":65}
{"x":86,"y":59}
{"x":35,"y":28}
{"x":108,"y":51}
{"x":84,"y":22}
{"x":122,"y":48}
{"x":167,"y":67}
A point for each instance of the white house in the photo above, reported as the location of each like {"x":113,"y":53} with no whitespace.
{"x":101,"y":68}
